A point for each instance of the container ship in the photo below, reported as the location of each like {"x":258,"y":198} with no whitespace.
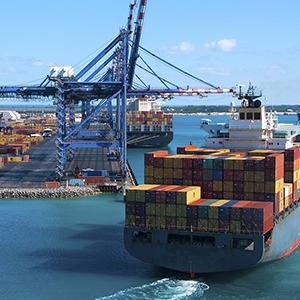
{"x":231,"y":205}
{"x":147,"y":125}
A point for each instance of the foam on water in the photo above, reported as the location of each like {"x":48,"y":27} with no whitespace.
{"x":166,"y":288}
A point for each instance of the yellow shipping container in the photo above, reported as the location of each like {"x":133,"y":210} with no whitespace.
{"x":274,"y":186}
{"x":260,"y":152}
{"x":219,"y":203}
{"x":188,"y":195}
{"x":15,"y":159}
{"x":281,"y":205}
{"x":286,"y":202}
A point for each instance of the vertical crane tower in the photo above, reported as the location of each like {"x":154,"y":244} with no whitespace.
{"x":107,"y":78}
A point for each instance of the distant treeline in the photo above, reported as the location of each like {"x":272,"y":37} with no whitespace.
{"x":225,"y":108}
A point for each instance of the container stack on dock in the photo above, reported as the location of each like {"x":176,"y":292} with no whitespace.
{"x":215,"y":190}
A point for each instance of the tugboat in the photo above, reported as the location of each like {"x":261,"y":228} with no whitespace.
{"x":231,"y":205}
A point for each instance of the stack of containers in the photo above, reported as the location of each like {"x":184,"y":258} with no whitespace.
{"x":149,"y":175}
{"x":230,"y":216}
{"x":256,"y":186}
{"x":274,"y":180}
{"x":159,"y":206}
{"x":292,"y":169}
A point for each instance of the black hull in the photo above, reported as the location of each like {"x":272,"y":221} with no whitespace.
{"x":214,"y":252}
{"x":138,"y":139}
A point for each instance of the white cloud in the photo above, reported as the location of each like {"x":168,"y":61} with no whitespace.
{"x":182,"y":48}
{"x":225,"y":45}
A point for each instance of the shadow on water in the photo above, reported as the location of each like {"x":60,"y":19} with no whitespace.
{"x":102,"y":252}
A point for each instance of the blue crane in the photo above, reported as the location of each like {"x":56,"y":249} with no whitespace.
{"x":108,"y":77}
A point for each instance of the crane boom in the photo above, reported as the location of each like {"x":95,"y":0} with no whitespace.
{"x":136,"y":41}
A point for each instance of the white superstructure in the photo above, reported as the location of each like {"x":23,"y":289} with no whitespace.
{"x":253,"y":127}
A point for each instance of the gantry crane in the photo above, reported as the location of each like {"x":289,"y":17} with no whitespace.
{"x":106,"y":78}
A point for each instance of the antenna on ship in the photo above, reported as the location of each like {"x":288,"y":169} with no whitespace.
{"x":250,"y":96}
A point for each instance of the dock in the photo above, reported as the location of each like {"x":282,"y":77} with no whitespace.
{"x":40,"y":167}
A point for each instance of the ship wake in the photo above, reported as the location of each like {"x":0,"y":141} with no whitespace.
{"x":166,"y":288}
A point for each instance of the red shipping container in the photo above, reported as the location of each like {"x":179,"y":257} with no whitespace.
{"x":260,"y":210}
{"x":52,"y":184}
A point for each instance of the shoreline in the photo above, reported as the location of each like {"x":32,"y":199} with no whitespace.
{"x":48,"y":193}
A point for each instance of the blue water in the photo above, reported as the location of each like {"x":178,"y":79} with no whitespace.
{"x":73,"y":249}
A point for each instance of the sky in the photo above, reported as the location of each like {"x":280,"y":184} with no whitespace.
{"x":223,"y":42}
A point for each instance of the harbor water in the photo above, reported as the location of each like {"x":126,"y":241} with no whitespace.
{"x":73,"y":249}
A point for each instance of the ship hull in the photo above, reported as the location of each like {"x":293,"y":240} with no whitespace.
{"x":218,"y":252}
{"x":139,"y":139}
